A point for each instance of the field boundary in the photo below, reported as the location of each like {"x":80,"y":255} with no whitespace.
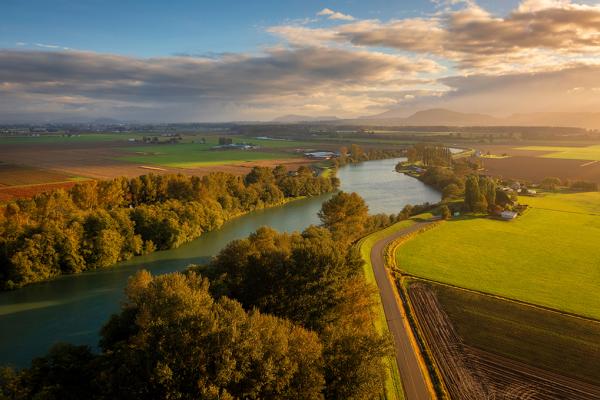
{"x":393,"y":387}
{"x":427,"y":362}
{"x":504,"y":298}
{"x":392,"y":260}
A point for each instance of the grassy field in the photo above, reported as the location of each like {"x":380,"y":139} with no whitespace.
{"x":189,"y":155}
{"x":549,"y":257}
{"x":591,"y":153}
{"x":58,"y":138}
{"x":394,"y":383}
{"x":544,"y":339}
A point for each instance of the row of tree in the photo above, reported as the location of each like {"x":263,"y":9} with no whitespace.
{"x":273,"y":316}
{"x":429,"y":154}
{"x":99,"y":223}
{"x":357,"y":154}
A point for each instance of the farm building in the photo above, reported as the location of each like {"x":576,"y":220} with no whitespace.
{"x":508,"y":215}
{"x":320,"y":155}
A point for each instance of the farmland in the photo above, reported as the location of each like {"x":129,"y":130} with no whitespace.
{"x":196,"y":155}
{"x":105,"y":156}
{"x":545,"y":339}
{"x":19,"y":181}
{"x":591,"y":153}
{"x":487,"y":348}
{"x":523,"y":259}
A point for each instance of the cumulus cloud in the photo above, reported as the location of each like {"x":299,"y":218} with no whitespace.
{"x":542,"y":56}
{"x":542,"y":32}
{"x":330,"y":14}
{"x":281,"y":78}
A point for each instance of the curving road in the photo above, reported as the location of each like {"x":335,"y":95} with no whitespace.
{"x":413,"y":380}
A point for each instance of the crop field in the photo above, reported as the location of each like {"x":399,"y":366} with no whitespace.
{"x":62,"y":139}
{"x":535,"y":169}
{"x":16,"y":175}
{"x":545,"y":339}
{"x":591,"y":153}
{"x":524,"y":259}
{"x":471,"y":337}
{"x":196,"y":155}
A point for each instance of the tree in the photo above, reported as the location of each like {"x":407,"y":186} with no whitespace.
{"x":445,"y":212}
{"x":181,"y":343}
{"x":450,"y":191}
{"x":345,"y":215}
{"x":472,"y":192}
{"x":551,"y":183}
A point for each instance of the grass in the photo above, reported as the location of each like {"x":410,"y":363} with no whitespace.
{"x":59,"y":138}
{"x":549,"y":256}
{"x":196,"y":155}
{"x":541,"y":338}
{"x":591,"y":153}
{"x":190,"y":154}
{"x":393,"y":385}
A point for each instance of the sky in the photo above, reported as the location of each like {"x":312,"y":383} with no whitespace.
{"x":232,"y":60}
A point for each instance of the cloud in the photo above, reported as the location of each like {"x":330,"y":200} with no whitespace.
{"x":330,"y":14}
{"x":542,"y":56}
{"x":279,"y":80}
{"x":535,"y":35}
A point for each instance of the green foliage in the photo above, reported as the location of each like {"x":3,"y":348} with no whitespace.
{"x":345,"y":215}
{"x":480,"y":193}
{"x":97,"y":224}
{"x":430,"y":155}
{"x":172,"y":340}
{"x":317,"y":282}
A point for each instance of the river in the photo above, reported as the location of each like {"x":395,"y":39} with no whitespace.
{"x":73,"y":308}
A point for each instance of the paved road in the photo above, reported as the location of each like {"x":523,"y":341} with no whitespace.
{"x":413,"y":380}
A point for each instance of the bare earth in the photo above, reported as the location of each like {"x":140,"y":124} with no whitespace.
{"x":536,"y":168}
{"x":473,"y":374}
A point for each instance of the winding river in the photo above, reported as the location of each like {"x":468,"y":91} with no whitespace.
{"x":73,"y":308}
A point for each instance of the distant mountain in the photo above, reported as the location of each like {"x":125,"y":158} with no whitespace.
{"x":444,"y":117}
{"x":292,"y":118}
{"x":440,"y":116}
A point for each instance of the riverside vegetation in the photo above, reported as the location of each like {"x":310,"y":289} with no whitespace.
{"x":99,"y":223}
{"x":275,"y":315}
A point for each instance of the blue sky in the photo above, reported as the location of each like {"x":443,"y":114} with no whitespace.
{"x":161,"y":28}
{"x":227,"y":60}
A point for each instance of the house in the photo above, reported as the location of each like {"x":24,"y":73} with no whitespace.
{"x":320,"y":155}
{"x":508,"y":215}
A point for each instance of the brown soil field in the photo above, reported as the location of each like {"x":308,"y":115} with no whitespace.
{"x":97,"y":161}
{"x":26,"y":169}
{"x":475,"y":374}
{"x":9,"y":193}
{"x":16,"y":175}
{"x":535,"y":168}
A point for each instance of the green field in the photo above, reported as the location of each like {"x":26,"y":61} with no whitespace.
{"x":550,"y":256}
{"x":58,"y":138}
{"x":190,"y":155}
{"x":545,"y":339}
{"x":591,"y":153}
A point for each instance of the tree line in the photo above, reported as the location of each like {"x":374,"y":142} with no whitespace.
{"x":99,"y":223}
{"x":274,"y":315}
{"x":356,"y":154}
{"x":429,"y":154}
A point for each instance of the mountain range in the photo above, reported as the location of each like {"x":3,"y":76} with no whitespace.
{"x":445,"y":117}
